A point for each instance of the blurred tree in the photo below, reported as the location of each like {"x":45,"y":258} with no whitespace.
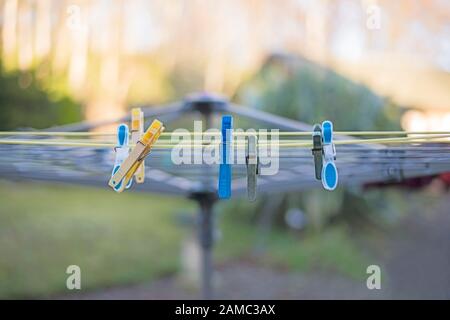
{"x":24,"y":103}
{"x":292,"y":87}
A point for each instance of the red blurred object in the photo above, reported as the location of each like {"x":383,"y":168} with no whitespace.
{"x":445,"y":177}
{"x":413,"y":183}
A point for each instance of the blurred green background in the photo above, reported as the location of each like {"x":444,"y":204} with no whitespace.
{"x":66,"y":61}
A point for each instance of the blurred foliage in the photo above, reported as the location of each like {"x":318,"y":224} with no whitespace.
{"x":295,"y":88}
{"x":26,"y":103}
{"x":292,"y":87}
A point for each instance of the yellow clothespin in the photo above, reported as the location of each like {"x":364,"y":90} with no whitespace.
{"x":137,"y":130}
{"x":136,"y":156}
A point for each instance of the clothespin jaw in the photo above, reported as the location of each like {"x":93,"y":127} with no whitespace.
{"x":317,"y":150}
{"x":252,"y":162}
{"x":329,"y":170}
{"x":225,"y":171}
{"x":129,"y":166}
{"x":122,"y":150}
{"x":137,"y":130}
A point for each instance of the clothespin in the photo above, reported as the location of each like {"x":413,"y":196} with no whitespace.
{"x":122,"y":150}
{"x":252,"y":162}
{"x":329,"y":170}
{"x":129,"y":166}
{"x":137,"y":130}
{"x":317,"y":150}
{"x":224,"y":189}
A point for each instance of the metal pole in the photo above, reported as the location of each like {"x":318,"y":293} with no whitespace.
{"x":206,"y":234}
{"x":206,"y":197}
{"x":207,"y":225}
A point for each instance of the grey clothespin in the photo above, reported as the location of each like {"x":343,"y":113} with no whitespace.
{"x":317,"y":150}
{"x":252,"y":162}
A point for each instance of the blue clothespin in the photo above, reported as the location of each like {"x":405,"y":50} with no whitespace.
{"x":122,"y":150}
{"x":224,"y":189}
{"x":329,"y":170}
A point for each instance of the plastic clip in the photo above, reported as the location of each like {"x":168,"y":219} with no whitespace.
{"x":225,"y":173}
{"x":252,"y":162}
{"x":329,"y":170}
{"x":317,"y":150}
{"x":122,"y":150}
{"x":129,"y":166}
{"x":137,"y":130}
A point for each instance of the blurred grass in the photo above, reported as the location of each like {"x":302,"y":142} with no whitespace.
{"x":113,"y":238}
{"x":129,"y":238}
{"x":331,"y":250}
